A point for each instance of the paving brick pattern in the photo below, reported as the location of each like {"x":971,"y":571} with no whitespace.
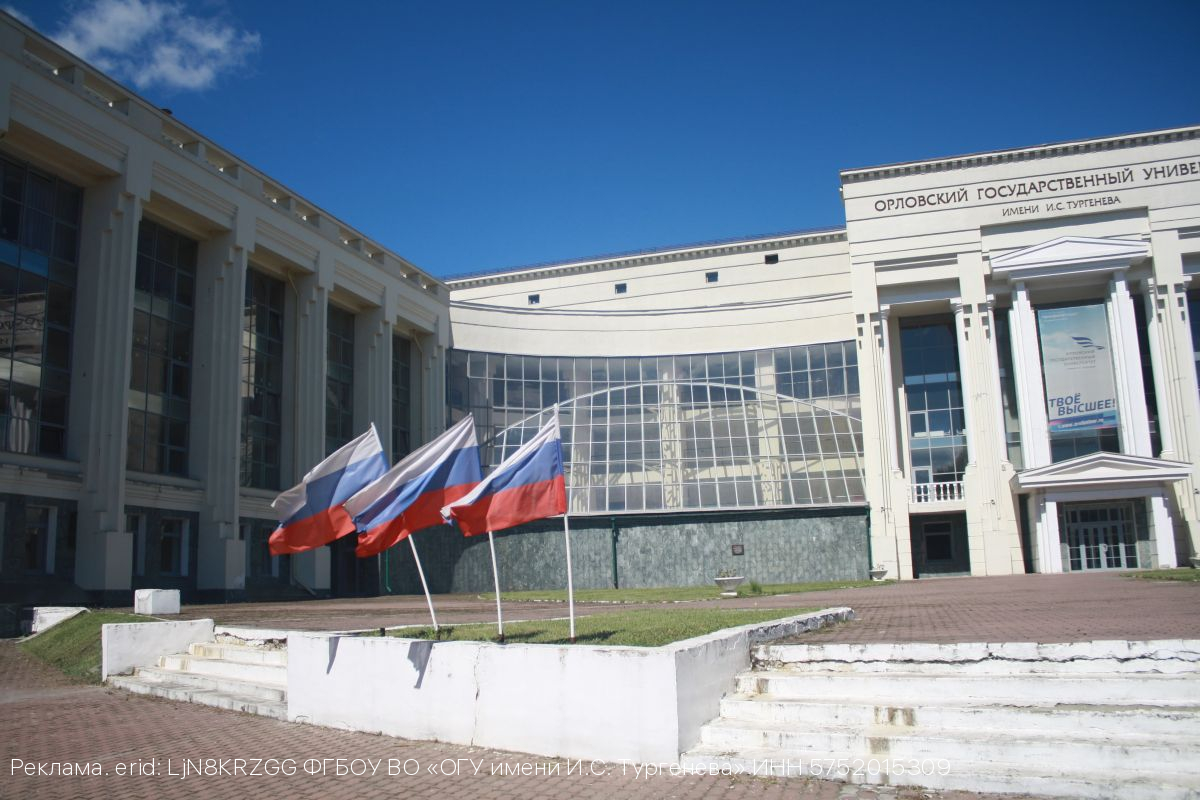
{"x":46,"y":719}
{"x":1040,"y":608}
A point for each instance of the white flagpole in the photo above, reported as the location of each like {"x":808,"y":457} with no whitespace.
{"x":496,"y":581}
{"x":424,"y":585}
{"x":570,"y":582}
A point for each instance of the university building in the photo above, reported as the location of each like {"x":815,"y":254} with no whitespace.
{"x":991,"y":369}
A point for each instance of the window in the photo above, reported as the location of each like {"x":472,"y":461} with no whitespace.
{"x":401,"y":397}
{"x":38,"y":540}
{"x":621,"y":288}
{"x":339,"y":379}
{"x":172,"y":547}
{"x":262,"y":381}
{"x":260,"y":563}
{"x":937,"y":434}
{"x":534,"y":299}
{"x":771,"y":258}
{"x":710,"y":277}
{"x":136,"y":524}
{"x":678,"y":432}
{"x":160,"y":381}
{"x":39,"y":253}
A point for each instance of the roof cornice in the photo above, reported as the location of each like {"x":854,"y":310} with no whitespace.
{"x":652,"y":256}
{"x":1019,"y":154}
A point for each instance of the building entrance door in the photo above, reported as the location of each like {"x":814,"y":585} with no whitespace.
{"x":1100,"y":537}
{"x":939,"y":543}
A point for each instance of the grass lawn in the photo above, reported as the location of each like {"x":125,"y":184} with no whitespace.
{"x":645,"y":628}
{"x":73,"y":647}
{"x":1178,"y":574}
{"x":678,"y":594}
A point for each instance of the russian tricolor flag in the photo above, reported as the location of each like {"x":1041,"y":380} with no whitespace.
{"x":528,"y":485}
{"x":410,"y":496}
{"x":311,"y":514}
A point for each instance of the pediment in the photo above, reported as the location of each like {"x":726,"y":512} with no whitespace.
{"x":1104,"y":469}
{"x":1070,"y":254}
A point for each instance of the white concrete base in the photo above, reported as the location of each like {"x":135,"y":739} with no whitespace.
{"x":642,"y":704}
{"x":156,"y":602}
{"x":46,"y":617}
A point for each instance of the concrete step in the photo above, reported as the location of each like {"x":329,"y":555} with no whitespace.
{"x":1036,"y":753}
{"x":1173,"y":656}
{"x":1060,"y":719}
{"x":219,"y":667}
{"x":914,"y":688}
{"x":240,"y":654}
{"x":1101,"y":781}
{"x":192,"y":692}
{"x":271,"y":692}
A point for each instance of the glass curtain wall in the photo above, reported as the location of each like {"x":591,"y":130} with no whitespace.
{"x":339,"y":379}
{"x":769,"y":428}
{"x":401,"y":397}
{"x":160,"y":382}
{"x":937,"y":431}
{"x":39,"y":253}
{"x":262,"y":381}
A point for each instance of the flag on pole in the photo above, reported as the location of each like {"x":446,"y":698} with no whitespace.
{"x":311,"y":513}
{"x":410,"y":495}
{"x":527,"y":485}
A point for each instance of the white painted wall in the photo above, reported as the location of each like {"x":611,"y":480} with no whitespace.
{"x":127,"y":645}
{"x":611,"y":703}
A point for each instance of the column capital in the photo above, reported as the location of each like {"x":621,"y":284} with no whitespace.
{"x":959,"y":307}
{"x":884,"y":312}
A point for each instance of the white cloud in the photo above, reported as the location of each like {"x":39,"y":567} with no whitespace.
{"x":153,"y":43}
{"x":18,"y":14}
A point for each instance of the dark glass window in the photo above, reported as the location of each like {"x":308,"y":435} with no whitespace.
{"x":39,"y":253}
{"x":937,"y":433}
{"x":401,"y":397}
{"x":1008,"y":389}
{"x":36,"y":539}
{"x":172,"y":546}
{"x":262,"y":380}
{"x":339,"y":379}
{"x":160,"y":381}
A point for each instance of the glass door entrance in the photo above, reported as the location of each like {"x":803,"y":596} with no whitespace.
{"x":1101,"y":537}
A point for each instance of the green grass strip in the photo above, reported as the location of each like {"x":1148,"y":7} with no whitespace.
{"x":678,"y":594}
{"x":1185,"y":574}
{"x":73,"y":646}
{"x":643,"y":628}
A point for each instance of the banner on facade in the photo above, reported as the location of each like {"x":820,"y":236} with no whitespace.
{"x":1077,"y":363}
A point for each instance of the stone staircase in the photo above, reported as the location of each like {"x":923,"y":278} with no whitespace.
{"x":223,"y":674}
{"x":1091,"y":719}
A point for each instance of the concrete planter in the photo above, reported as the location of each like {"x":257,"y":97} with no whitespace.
{"x":728,"y":586}
{"x":878,"y":573}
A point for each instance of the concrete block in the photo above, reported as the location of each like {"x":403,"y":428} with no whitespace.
{"x":46,"y":617}
{"x":156,"y":601}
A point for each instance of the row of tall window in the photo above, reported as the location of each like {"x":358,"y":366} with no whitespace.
{"x":40,"y":217}
{"x":750,"y":429}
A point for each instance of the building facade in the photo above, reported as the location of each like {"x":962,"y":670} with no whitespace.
{"x":991,"y":369}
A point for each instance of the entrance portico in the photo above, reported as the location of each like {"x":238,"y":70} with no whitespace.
{"x":1102,"y":481}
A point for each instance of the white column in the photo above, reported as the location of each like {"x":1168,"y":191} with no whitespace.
{"x":1163,"y":532}
{"x":312,"y":311}
{"x":103,"y":338}
{"x":1027,"y":368}
{"x":1160,"y":369}
{"x":1047,"y":547}
{"x":964,"y":374}
{"x":373,"y":375}
{"x":1131,"y":391}
{"x":216,"y":411}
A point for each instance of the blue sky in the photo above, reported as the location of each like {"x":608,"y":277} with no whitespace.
{"x":471,"y":136}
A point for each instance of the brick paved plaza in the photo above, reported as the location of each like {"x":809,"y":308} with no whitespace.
{"x":46,"y":719}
